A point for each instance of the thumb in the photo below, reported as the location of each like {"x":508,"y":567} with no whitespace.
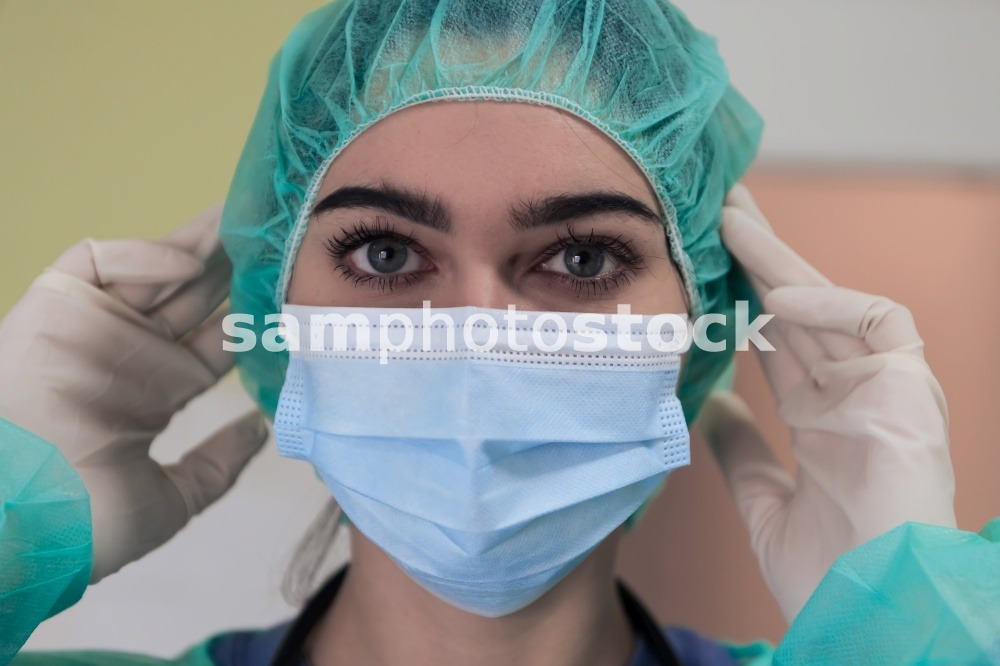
{"x":204,"y":474}
{"x":759,"y":484}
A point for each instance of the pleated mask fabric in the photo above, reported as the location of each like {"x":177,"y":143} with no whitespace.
{"x":486,"y":458}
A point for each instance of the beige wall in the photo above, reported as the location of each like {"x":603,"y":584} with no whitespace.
{"x":926,"y":240}
{"x":122,"y":118}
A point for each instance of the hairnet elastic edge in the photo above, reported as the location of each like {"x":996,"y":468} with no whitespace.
{"x":501,"y":94}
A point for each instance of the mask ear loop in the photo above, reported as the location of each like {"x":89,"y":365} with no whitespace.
{"x":311,"y":553}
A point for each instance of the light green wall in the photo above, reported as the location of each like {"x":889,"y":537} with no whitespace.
{"x":122,"y":118}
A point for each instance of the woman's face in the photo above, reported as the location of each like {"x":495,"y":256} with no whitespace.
{"x":487,"y":204}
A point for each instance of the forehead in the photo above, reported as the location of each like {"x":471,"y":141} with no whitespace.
{"x":472,"y":152}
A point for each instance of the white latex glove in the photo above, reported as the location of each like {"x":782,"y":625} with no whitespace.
{"x":868,"y":420}
{"x":97,"y":356}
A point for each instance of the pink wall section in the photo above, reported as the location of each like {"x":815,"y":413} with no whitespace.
{"x":930,"y":242}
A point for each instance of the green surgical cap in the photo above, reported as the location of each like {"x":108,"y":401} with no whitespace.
{"x":636,"y":69}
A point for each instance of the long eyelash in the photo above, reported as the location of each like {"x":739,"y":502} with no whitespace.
{"x":596,"y":286}
{"x":362,"y":232}
{"x":623,"y":248}
{"x":384,"y":283}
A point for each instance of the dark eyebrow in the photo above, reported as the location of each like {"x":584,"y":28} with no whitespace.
{"x":415,"y":206}
{"x":563,"y":207}
{"x":429,"y":211}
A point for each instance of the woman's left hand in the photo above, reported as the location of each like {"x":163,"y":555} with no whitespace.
{"x":868,"y":419}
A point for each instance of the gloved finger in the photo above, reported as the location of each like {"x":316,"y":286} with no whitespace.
{"x":205,"y":342}
{"x":763,"y":254}
{"x":204,"y":474}
{"x":812,"y":346}
{"x":783,"y":367}
{"x":196,"y":299}
{"x":759,"y":484}
{"x":760,"y":288}
{"x":881,"y":324}
{"x":140,"y":261}
{"x":137,"y":261}
{"x":152,"y":297}
{"x":739,"y":196}
{"x":198,"y":237}
{"x":776,"y":265}
{"x":741,"y":209}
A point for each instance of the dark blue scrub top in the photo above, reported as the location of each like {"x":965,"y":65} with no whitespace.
{"x":256,"y":648}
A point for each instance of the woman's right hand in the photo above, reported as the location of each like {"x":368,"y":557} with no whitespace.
{"x":102,"y":350}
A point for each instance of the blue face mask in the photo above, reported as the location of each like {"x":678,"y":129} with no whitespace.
{"x":487,"y":457}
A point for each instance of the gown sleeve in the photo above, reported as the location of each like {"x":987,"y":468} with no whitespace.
{"x":46,"y":553}
{"x":916,"y":594}
{"x":198,"y":655}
